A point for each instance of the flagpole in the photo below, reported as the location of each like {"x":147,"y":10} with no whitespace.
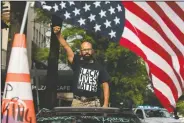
{"x":24,"y":18}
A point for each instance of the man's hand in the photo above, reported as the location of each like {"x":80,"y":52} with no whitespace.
{"x":105,"y":106}
{"x":57,"y":30}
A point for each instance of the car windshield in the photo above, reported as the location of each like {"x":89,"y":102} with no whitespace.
{"x":69,"y":115}
{"x":157,"y":113}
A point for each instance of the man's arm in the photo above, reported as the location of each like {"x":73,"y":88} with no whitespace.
{"x":106,"y":94}
{"x":63,"y":42}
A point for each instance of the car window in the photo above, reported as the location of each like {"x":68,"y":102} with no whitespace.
{"x":157,"y":113}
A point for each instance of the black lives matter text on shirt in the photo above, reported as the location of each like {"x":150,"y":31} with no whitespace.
{"x":88,"y":79}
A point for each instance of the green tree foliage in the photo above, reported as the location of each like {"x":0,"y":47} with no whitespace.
{"x":150,"y":98}
{"x":73,"y":32}
{"x":129,"y":78}
{"x":42,"y":54}
{"x":42,"y":16}
{"x":180,"y":105}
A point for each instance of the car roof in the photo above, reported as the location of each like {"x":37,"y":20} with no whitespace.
{"x":86,"y":110}
{"x":81,"y":112}
{"x":152,"y":109}
{"x":92,"y":109}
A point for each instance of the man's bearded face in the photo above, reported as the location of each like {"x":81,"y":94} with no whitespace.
{"x":86,"y":51}
{"x":86,"y":54}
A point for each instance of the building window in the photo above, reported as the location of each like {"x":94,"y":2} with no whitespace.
{"x":33,"y":33}
{"x":40,"y":39}
{"x":36,"y":36}
{"x":44,"y":42}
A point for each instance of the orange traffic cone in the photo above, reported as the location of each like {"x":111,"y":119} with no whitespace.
{"x":17,"y":103}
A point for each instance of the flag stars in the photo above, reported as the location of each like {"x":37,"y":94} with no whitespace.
{"x":97,"y":27}
{"x":99,"y":16}
{"x":63,"y":5}
{"x":119,"y":8}
{"x":43,"y":3}
{"x":112,"y":34}
{"x":102,"y":13}
{"x":86,"y":7}
{"x":107,"y":2}
{"x":76,"y":11}
{"x":55,"y":7}
{"x":107,"y":23}
{"x":117,"y":20}
{"x":111,"y":10}
{"x":91,"y":17}
{"x":71,"y":3}
{"x":82,"y":21}
{"x":96,"y":4}
{"x":67,"y":15}
{"x":47,"y":7}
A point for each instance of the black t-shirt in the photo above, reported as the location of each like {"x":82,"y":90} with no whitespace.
{"x":88,"y":77}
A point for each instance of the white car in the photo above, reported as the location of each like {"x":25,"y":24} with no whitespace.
{"x":155,"y":115}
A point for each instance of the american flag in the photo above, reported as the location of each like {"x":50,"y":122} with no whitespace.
{"x":153,"y":30}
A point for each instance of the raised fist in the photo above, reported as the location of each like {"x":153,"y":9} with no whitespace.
{"x":56,"y":29}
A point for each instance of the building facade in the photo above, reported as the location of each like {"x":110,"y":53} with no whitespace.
{"x":4,"y":38}
{"x":36,"y":33}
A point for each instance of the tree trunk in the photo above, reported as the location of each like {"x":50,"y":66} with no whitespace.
{"x":52,"y":71}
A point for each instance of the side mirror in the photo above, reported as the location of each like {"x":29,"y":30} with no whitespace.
{"x":176,"y":117}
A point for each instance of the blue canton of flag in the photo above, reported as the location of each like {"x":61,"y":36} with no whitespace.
{"x":105,"y":18}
